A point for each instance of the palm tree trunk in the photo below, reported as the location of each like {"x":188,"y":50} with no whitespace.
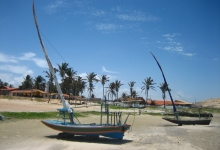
{"x":50,"y":87}
{"x":164,"y":103}
{"x":146,"y":98}
{"x":103,"y":92}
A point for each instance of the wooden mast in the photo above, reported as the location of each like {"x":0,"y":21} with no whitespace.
{"x":174,"y":107}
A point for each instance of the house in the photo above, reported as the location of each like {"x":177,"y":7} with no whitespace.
{"x":5,"y":90}
{"x":57,"y":96}
{"x":29,"y":93}
{"x":130,"y":102}
{"x":35,"y":93}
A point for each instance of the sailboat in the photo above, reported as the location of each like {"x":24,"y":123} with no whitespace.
{"x":70,"y":125}
{"x":177,"y":119}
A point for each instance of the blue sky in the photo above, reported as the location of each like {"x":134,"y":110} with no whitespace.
{"x":114,"y":38}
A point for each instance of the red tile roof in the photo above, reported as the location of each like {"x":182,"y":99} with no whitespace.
{"x":28,"y":91}
{"x":7,"y":88}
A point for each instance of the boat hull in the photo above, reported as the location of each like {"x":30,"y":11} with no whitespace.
{"x":189,"y":121}
{"x":95,"y":130}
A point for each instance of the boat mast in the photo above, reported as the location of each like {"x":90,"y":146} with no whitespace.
{"x":64,"y":102}
{"x":174,"y":107}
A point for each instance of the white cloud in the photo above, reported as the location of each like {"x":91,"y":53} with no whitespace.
{"x":105,"y":70}
{"x":7,"y":59}
{"x":216,"y":59}
{"x":131,"y":18}
{"x":40,"y":63}
{"x":13,"y":79}
{"x":14,"y":69}
{"x":174,"y":46}
{"x":83,"y":75}
{"x":137,"y":16}
{"x":168,"y":35}
{"x":98,"y":13}
{"x":54,"y":6}
{"x":30,"y":56}
{"x":104,"y":26}
{"x":16,"y":82}
{"x":27,"y":56}
{"x":188,"y":54}
{"x":6,"y":77}
{"x":29,"y":72}
{"x":111,"y":77}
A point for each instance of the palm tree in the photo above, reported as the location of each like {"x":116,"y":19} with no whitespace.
{"x":111,"y":89}
{"x":164,"y":88}
{"x":124,"y":96}
{"x":117,"y":86}
{"x":90,"y":89}
{"x":131,"y":85}
{"x":39,"y":83}
{"x":148,"y":84}
{"x":134,"y":94}
{"x":79,"y":85}
{"x":1,"y":82}
{"x":93,"y":95}
{"x":11,"y":85}
{"x":91,"y":77}
{"x":82,"y":86}
{"x":51,"y":87}
{"x":70,"y":80}
{"x":62,"y":70}
{"x":5,"y":84}
{"x":27,"y":83}
{"x":103,"y":80}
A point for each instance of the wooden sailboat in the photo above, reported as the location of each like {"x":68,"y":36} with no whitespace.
{"x":113,"y":127}
{"x":177,"y":119}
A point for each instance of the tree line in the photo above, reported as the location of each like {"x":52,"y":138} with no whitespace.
{"x":72,"y":84}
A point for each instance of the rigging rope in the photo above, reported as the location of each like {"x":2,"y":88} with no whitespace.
{"x":179,"y":95}
{"x":132,"y":122}
{"x":53,"y":47}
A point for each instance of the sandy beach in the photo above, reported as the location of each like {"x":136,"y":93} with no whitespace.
{"x":147,"y":132}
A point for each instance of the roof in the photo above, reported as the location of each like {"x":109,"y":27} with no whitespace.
{"x":7,"y":88}
{"x":36,"y":90}
{"x":28,"y":91}
{"x":132,"y":101}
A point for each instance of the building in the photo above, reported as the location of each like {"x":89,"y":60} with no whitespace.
{"x":35,"y":93}
{"x":130,"y":102}
{"x":5,"y":90}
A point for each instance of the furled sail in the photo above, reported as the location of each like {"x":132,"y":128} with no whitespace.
{"x":165,"y":81}
{"x":64,"y":102}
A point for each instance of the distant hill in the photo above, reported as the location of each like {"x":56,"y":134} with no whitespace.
{"x":212,"y":103}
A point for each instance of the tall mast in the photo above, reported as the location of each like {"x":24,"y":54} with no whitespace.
{"x":174,"y":107}
{"x":64,"y":102}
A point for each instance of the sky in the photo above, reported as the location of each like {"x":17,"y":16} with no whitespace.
{"x":114,"y":38}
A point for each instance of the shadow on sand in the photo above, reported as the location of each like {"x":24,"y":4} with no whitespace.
{"x":170,"y":125}
{"x":102,"y":140}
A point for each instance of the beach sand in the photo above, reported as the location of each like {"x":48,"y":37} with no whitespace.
{"x":147,"y":132}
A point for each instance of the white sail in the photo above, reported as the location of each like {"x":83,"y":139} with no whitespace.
{"x":64,"y":102}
